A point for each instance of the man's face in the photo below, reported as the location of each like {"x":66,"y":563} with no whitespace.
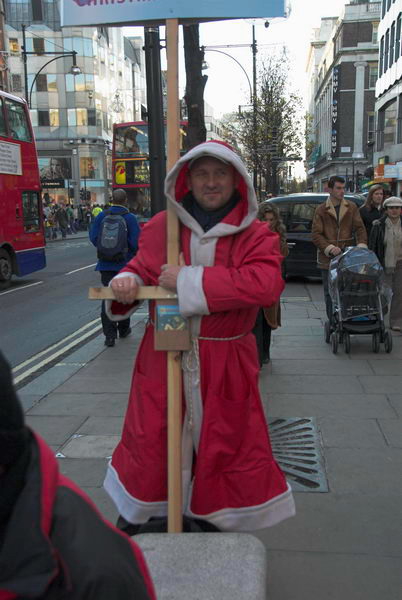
{"x":338,"y":191}
{"x":212,"y":182}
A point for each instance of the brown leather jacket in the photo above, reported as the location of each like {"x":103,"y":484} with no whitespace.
{"x":327,"y":232}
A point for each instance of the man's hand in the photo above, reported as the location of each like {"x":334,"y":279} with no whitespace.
{"x":125,"y":289}
{"x":335,"y":251}
{"x":168,"y":277}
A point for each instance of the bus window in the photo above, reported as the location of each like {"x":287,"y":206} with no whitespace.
{"x":18,"y":121}
{"x":3,"y":128}
{"x":31,"y":211}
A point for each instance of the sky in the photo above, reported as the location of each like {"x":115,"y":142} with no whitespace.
{"x":227,"y":86}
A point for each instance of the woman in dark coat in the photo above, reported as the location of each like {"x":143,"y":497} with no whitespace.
{"x":371,"y":209}
{"x":386,"y":241}
{"x":269,"y":318}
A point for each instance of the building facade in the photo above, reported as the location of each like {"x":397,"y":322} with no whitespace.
{"x":388,"y":107}
{"x":72,"y":113}
{"x":344,"y":97}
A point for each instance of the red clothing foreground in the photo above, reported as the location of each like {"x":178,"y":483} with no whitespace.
{"x":230,"y":476}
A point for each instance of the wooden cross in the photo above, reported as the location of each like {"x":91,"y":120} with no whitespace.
{"x":174,"y":375}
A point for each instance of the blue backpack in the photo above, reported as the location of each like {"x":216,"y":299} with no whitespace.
{"x":112,"y":242}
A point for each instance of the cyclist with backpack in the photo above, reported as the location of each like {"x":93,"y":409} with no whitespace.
{"x":114,"y":233}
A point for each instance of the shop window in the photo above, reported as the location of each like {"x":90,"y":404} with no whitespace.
{"x":91,"y":167}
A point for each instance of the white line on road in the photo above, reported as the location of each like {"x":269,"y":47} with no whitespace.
{"x":21,"y":288}
{"x":80,"y":269}
{"x":56,"y":354}
{"x":54,"y":346}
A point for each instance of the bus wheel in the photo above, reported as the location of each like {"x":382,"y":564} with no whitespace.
{"x":6,"y":269}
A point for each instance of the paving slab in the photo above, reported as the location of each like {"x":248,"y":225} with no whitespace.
{"x":391,"y":384}
{"x":392,"y":366}
{"x":330,"y":576}
{"x":29,"y":400}
{"x":297,"y":351}
{"x":95,"y":404}
{"x":320,"y":367}
{"x":374,"y":471}
{"x":101,"y":426}
{"x":340,"y":523}
{"x":90,"y":446}
{"x":85,"y":472}
{"x":392,"y":431}
{"x":316,"y":384}
{"x":298,"y":330}
{"x":351,"y":432}
{"x":55,"y":429}
{"x":396,"y":402}
{"x":370,"y":406}
{"x":302,"y":341}
{"x":103,"y":502}
{"x":81,"y":383}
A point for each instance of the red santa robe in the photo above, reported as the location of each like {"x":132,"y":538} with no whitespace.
{"x":230,"y":477}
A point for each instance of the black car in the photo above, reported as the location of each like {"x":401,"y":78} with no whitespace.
{"x":297,"y":213}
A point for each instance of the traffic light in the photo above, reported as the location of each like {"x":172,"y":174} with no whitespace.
{"x":87,"y":195}
{"x":82,"y":195}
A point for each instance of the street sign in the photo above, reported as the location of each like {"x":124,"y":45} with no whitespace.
{"x":138,"y":12}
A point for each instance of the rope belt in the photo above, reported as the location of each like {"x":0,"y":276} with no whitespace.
{"x":190,"y":364}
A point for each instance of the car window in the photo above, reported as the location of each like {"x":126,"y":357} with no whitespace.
{"x":285,"y":210}
{"x":302,"y":218}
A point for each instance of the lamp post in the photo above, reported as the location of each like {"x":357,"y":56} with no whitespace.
{"x":75,"y":69}
{"x":253,"y":90}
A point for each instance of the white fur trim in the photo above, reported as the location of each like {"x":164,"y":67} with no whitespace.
{"x":328,"y":249}
{"x":132,"y":509}
{"x":251,"y":518}
{"x":132,"y":309}
{"x":362,"y":245}
{"x":219,"y":151}
{"x":191,"y":296}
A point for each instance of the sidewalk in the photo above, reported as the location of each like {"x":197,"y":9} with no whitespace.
{"x":344,"y":543}
{"x":70,"y":236}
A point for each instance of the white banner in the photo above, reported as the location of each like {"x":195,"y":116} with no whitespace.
{"x":139,"y":12}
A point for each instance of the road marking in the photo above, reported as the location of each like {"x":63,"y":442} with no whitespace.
{"x":21,"y":288}
{"x":54,"y":346}
{"x":52,"y":357}
{"x":81,"y":269}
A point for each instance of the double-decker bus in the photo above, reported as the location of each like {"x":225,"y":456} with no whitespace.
{"x":130,"y":163}
{"x":22,"y":240}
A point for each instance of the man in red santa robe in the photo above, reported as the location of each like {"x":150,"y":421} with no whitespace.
{"x":230,"y":267}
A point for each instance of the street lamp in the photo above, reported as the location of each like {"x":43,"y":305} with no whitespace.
{"x":75,"y":69}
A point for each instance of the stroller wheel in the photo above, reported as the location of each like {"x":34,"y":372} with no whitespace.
{"x":387,"y":342}
{"x":327,"y":332}
{"x":346,"y":342}
{"x":334,"y":342}
{"x":376,"y":342}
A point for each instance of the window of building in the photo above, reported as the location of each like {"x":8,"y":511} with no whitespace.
{"x":386,"y":51}
{"x":390,"y":123}
{"x":373,"y":75}
{"x":82,"y":117}
{"x":384,"y":8}
{"x":370,"y":127}
{"x":71,"y":117}
{"x":398,"y":37}
{"x":54,"y":117}
{"x":13,"y":45}
{"x":388,"y":5}
{"x":37,"y":14}
{"x":374,"y":33}
{"x":79,"y":82}
{"x":83,"y":46}
{"x":51,"y":82}
{"x":91,"y":167}
{"x":43,"y":118}
{"x":92,"y":117}
{"x":38,"y":45}
{"x":392,"y":45}
{"x":41,"y":82}
{"x":381,"y":70}
{"x":16,"y":82}
{"x":17,"y":120}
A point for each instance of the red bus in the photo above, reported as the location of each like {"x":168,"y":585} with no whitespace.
{"x":130,"y":163}
{"x":22,"y":239}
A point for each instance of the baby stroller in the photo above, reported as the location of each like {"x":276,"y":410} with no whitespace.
{"x":360,"y":299}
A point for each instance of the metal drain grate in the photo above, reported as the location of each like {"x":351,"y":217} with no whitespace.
{"x":296,"y":446}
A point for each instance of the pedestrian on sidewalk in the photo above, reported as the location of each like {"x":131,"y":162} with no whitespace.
{"x":54,"y":544}
{"x":337,"y":224}
{"x":386,"y":241}
{"x":110,"y":265}
{"x":372,"y":208}
{"x":62,"y":219}
{"x":269,"y":317}
{"x":231,"y":265}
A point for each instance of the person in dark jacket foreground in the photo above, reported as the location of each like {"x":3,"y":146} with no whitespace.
{"x":53,"y":542}
{"x":371,"y":209}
